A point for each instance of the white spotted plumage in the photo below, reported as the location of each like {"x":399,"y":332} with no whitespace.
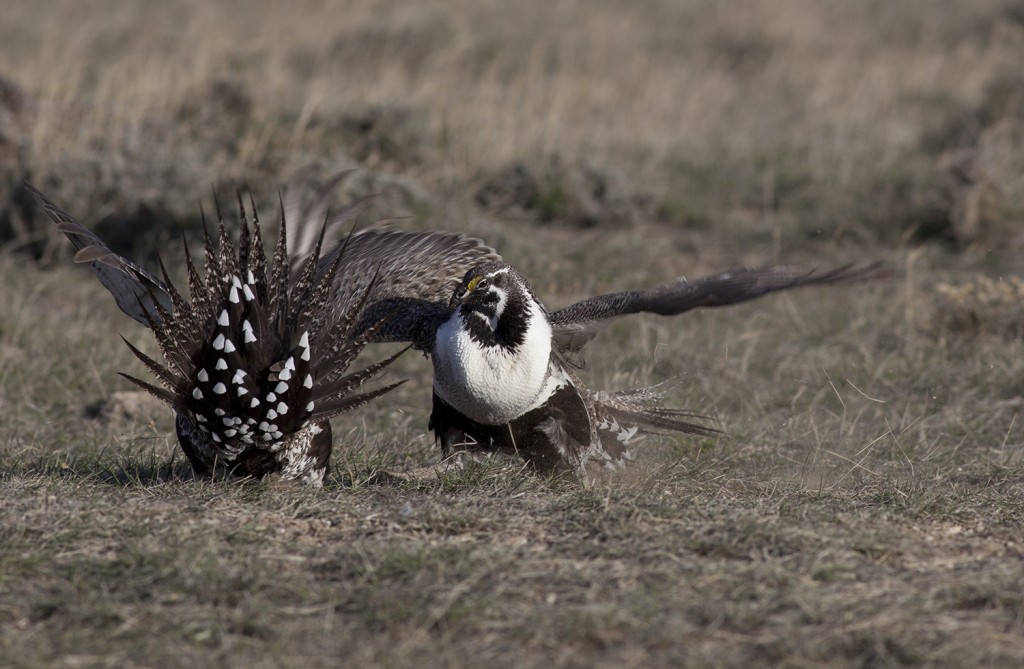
{"x":250,"y":336}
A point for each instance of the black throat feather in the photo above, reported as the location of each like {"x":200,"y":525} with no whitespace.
{"x":511,"y":327}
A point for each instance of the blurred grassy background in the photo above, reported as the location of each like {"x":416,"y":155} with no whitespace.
{"x":882,"y":122}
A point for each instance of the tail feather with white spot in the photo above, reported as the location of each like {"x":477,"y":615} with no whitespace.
{"x":256,"y":358}
{"x":621,"y":416}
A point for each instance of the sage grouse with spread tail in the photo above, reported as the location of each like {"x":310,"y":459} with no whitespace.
{"x":256,"y":359}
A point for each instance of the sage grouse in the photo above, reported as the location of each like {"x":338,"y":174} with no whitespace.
{"x":503,"y":365}
{"x":503,"y":377}
{"x":256,"y":358}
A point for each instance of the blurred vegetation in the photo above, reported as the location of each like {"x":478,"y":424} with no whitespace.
{"x":873,"y":122}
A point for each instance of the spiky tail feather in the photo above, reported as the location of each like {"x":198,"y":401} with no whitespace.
{"x":620,"y":415}
{"x":257,"y":356}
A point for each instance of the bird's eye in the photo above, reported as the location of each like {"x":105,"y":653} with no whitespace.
{"x":482,"y":283}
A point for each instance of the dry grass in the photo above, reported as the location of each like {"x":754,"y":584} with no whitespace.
{"x":869,"y":120}
{"x":864,"y":506}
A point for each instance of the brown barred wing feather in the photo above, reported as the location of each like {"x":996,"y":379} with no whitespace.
{"x":574,"y":326}
{"x":136,"y":291}
{"x":417,"y":273}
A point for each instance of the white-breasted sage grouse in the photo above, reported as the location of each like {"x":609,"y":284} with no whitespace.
{"x":503,"y":377}
{"x":257,"y":356}
{"x":503,"y":364}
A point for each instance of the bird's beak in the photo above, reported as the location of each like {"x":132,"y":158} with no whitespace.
{"x":462,"y":294}
{"x":458,"y":297}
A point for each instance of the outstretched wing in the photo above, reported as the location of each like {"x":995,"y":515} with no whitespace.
{"x":136,"y":291}
{"x":412,"y":276}
{"x":406,"y":278}
{"x":310,"y":216}
{"x":577,"y":324}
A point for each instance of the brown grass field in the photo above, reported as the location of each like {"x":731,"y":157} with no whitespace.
{"x":864,"y":506}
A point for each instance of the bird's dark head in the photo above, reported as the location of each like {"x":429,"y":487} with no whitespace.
{"x":487,"y":288}
{"x":496,"y":305}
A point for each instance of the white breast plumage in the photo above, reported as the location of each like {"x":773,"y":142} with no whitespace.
{"x":489,"y":384}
